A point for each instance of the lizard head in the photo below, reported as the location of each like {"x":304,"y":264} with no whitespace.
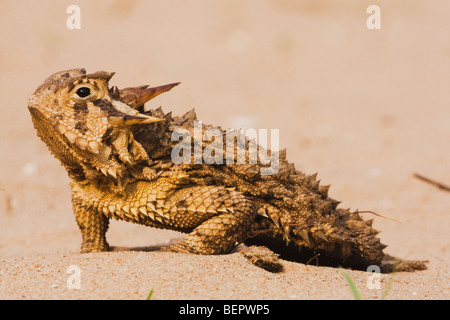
{"x":78,"y":111}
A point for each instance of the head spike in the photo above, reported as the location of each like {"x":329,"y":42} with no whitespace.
{"x":130,"y":90}
{"x":101,"y":75}
{"x":138,"y":96}
{"x":118,"y":119}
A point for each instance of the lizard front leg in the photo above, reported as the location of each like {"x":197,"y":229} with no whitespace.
{"x":93,"y":226}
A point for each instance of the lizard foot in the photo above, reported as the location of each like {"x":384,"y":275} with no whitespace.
{"x":262,"y":257}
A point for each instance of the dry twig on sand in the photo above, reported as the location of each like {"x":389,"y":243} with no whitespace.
{"x":432,"y":182}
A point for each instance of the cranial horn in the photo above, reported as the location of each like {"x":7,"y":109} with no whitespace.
{"x":101,"y":75}
{"x":131,"y":90}
{"x":137,"y":96}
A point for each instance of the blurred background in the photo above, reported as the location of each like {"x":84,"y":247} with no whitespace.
{"x":363,"y":108}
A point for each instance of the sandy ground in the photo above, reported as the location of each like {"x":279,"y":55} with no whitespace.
{"x":363,"y":108}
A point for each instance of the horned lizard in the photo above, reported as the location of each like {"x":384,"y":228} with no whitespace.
{"x":118,"y":157}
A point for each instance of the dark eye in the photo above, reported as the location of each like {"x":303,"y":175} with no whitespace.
{"x":83,"y":92}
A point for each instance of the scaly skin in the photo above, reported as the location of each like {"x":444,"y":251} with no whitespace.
{"x":119,"y":160}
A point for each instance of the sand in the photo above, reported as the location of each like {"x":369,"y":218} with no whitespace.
{"x":363,"y":108}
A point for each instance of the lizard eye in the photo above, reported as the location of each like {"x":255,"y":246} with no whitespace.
{"x":83,"y":92}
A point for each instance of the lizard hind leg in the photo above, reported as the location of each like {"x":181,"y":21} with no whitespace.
{"x":221,"y":232}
